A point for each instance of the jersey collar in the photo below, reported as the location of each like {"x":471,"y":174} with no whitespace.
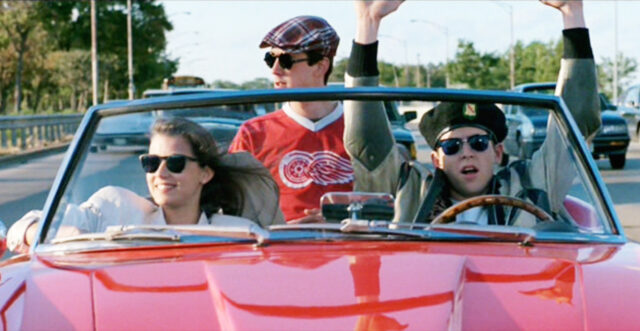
{"x":312,"y":126}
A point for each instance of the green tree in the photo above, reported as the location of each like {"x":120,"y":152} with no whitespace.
{"x":257,"y":83}
{"x":225,"y":84}
{"x":72,"y":77}
{"x":537,"y":61}
{"x":70,"y":23}
{"x":18,"y":20}
{"x":626,"y":73}
{"x":477,"y":70}
{"x":7,"y":70}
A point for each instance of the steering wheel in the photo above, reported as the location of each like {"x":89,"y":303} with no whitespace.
{"x":488,"y":200}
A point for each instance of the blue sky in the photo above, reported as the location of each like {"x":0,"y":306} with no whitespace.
{"x":219,"y":39}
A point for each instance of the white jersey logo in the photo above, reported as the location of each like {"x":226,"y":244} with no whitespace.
{"x":299,"y":169}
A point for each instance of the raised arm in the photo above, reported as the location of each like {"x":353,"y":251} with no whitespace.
{"x":577,"y":85}
{"x":577,"y":82}
{"x":367,"y":137}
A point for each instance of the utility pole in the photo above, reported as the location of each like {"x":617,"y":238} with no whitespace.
{"x":132,"y":88}
{"x":445,"y":30}
{"x":94,"y":53}
{"x":512,"y":55}
{"x":406,"y":58}
{"x":418,"y":73}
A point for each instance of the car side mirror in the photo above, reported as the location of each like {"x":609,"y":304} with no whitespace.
{"x":410,"y":115}
{"x":337,"y":206}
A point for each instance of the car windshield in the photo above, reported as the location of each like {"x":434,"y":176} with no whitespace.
{"x":97,"y":161}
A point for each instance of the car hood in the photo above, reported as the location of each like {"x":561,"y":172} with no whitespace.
{"x":363,"y":285}
{"x":611,"y":117}
{"x":539,"y":121}
{"x":401,"y":134}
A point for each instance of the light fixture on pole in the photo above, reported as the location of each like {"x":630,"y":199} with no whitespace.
{"x":445,"y":30}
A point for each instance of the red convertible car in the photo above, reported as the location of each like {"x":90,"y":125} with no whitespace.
{"x":359,"y":271}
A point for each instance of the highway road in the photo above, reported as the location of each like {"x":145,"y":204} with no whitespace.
{"x":25,"y":186}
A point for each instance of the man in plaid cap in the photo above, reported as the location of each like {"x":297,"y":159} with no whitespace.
{"x":466,"y":138}
{"x":301,"y":144}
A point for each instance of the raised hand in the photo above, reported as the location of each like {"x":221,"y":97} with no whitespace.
{"x":368,"y":15}
{"x":376,"y":9}
{"x":572,"y":14}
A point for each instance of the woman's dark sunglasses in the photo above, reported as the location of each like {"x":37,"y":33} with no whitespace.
{"x":478,"y":142}
{"x":286,"y":60}
{"x":175,"y":163}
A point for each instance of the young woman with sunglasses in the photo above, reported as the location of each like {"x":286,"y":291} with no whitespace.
{"x":189,"y":181}
{"x":466,"y":138}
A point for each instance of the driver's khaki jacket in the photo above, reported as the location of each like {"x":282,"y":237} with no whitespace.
{"x":547,"y":170}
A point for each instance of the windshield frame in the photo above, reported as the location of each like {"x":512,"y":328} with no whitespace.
{"x":81,"y":142}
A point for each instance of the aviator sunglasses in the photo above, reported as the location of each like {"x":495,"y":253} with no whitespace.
{"x":286,"y":60}
{"x":175,"y":163}
{"x":478,"y":142}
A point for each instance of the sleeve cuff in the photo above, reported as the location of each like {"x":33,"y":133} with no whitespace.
{"x":363,"y":60}
{"x":577,"y":44}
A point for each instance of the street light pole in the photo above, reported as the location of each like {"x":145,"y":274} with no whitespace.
{"x":406,"y":57}
{"x":445,"y":30}
{"x":512,"y":55}
{"x":132,"y":88}
{"x":94,"y":53}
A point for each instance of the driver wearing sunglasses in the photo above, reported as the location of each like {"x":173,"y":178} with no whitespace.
{"x":300,"y":54}
{"x":466,"y":138}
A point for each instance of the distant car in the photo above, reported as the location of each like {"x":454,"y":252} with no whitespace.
{"x":154,"y":93}
{"x":400,"y":132}
{"x":629,"y":108}
{"x":126,"y":132}
{"x":528,"y":129}
{"x":631,"y":97}
{"x":222,"y":121}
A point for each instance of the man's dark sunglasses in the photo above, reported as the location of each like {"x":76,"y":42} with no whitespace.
{"x":478,"y":142}
{"x":286,"y":60}
{"x":175,"y":163}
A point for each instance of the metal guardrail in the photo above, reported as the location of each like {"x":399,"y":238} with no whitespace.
{"x":24,"y":132}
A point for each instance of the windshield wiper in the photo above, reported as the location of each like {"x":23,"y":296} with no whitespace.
{"x":170,"y":233}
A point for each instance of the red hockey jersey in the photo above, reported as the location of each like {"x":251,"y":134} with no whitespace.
{"x":306,"y":158}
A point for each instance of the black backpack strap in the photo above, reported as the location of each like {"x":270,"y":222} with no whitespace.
{"x":403,"y":177}
{"x":435,"y":189}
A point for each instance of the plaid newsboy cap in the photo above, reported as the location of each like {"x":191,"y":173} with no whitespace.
{"x":301,"y":34}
